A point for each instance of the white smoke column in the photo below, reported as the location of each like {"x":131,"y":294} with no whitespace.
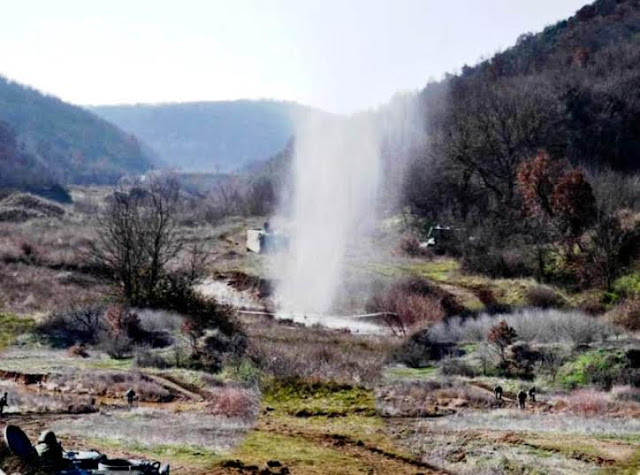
{"x":335,"y":180}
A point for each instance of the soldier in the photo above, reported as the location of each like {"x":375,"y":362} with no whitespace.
{"x":497,"y":391}
{"x":49,"y":449}
{"x":3,"y":403}
{"x":532,"y":394}
{"x":522,"y":397}
{"x":130,"y":395}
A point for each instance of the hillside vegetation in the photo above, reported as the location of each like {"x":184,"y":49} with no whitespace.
{"x":43,"y":139}
{"x":533,"y":154}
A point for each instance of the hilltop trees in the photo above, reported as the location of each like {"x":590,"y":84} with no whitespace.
{"x":494,"y":125}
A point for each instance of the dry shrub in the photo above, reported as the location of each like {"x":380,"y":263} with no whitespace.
{"x":410,"y":245}
{"x":316,"y":354}
{"x":79,"y":350}
{"x":531,"y":325}
{"x":414,"y":301}
{"x":144,"y":358}
{"x":589,"y":402}
{"x":30,"y":289}
{"x":35,"y":205}
{"x":122,"y":322}
{"x":626,"y":315}
{"x":592,"y":305}
{"x":543,"y":297}
{"x":458,"y":367}
{"x":418,"y":350}
{"x":486,"y":259}
{"x":231,"y":401}
{"x":110,"y":384}
{"x":421,"y":398}
{"x":626,"y":393}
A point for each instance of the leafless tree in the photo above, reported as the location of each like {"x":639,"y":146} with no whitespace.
{"x":137,"y":235}
{"x":493,"y":126}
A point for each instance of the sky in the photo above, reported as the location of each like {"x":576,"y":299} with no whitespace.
{"x":338,"y":55}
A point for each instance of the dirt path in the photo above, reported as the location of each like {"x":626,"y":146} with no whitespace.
{"x":173,"y":386}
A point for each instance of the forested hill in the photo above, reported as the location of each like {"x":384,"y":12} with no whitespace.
{"x":572,"y":90}
{"x":574,"y":41}
{"x":47,"y":140}
{"x":535,"y":152}
{"x":221,"y":136}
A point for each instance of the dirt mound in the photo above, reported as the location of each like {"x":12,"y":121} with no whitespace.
{"x":18,"y":207}
{"x":263,"y":288}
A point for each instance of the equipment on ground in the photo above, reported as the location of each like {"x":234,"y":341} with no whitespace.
{"x":89,"y":462}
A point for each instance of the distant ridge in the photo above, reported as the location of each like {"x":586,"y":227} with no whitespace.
{"x":207,"y":137}
{"x":48,"y":140}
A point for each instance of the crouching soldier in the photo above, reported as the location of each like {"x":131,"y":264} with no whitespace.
{"x":49,"y":450}
{"x":4,"y":402}
{"x":522,"y":397}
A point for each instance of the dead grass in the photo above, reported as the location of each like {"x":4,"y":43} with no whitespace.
{"x":424,"y":398}
{"x":593,"y":403}
{"x":415,"y":301}
{"x":316,"y":354}
{"x":19,"y":207}
{"x":232,"y":401}
{"x":29,"y":289}
{"x":154,"y":426}
{"x":27,"y":401}
{"x":108,"y":384}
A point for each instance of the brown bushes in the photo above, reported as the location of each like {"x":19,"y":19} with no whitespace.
{"x":410,"y":245}
{"x":589,"y":402}
{"x":110,"y":384}
{"x":233,"y":401}
{"x":79,"y":350}
{"x":543,"y":297}
{"x":415,"y":301}
{"x":316,"y":354}
{"x":429,"y":398}
{"x":626,"y":315}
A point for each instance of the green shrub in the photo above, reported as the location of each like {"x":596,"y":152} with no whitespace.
{"x":12,"y":326}
{"x":627,"y":286}
{"x":600,"y":368}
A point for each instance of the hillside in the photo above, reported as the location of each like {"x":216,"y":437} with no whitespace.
{"x":55,"y":141}
{"x":580,"y":75}
{"x":535,"y":151}
{"x":206,"y":137}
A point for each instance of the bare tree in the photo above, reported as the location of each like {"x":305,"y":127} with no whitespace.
{"x":494,"y":125}
{"x":137,"y":235}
